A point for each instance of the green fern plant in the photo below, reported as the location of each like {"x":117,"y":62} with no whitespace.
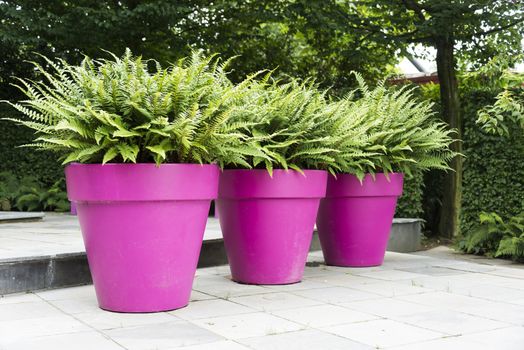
{"x":484,"y":238}
{"x":495,"y":237}
{"x":400,"y":133}
{"x":288,"y":126}
{"x":129,"y":110}
{"x":512,"y":242}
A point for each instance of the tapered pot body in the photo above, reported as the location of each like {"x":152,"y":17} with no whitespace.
{"x":268,"y":221}
{"x":142,"y":227}
{"x":355,"y":218}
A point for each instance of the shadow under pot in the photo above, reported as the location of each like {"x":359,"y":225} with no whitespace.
{"x":268,"y":221}
{"x":142,"y":227}
{"x":354,"y":220}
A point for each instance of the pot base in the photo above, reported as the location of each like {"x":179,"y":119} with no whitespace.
{"x":267,"y":222}
{"x":353,"y":264}
{"x":272,"y":283}
{"x":149,"y":311}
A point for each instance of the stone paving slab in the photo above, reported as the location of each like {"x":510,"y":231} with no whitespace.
{"x":406,"y":304}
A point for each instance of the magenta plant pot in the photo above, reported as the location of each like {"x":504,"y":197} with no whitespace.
{"x":143,"y":227}
{"x":267,"y":222}
{"x":354,"y":220}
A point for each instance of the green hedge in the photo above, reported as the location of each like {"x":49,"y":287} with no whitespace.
{"x":410,"y":203}
{"x":493,"y":177}
{"x":493,"y":167}
{"x":26,"y":161}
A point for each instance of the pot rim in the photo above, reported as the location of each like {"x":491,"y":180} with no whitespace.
{"x":138,"y":164}
{"x":124,"y":182}
{"x":257,"y":183}
{"x":348,"y":185}
{"x":282,"y":171}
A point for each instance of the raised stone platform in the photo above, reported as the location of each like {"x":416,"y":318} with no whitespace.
{"x":50,"y":253}
{"x":17,"y":216}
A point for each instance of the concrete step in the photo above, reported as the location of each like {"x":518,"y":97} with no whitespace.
{"x":50,"y":254}
{"x":20,"y":216}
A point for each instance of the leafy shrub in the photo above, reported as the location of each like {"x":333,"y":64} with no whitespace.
{"x":508,"y":106}
{"x":8,"y":190}
{"x":33,"y":196}
{"x":495,"y":237}
{"x":117,"y":110}
{"x":24,"y":161}
{"x":493,"y":178}
{"x":29,"y":194}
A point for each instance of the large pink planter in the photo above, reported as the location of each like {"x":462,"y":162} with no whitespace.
{"x":143,"y":227}
{"x":354,"y":220}
{"x":268,"y":222}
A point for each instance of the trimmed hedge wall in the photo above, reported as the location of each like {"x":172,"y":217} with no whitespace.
{"x":493,"y":177}
{"x":493,"y":167}
{"x":410,"y":203}
{"x":22,"y":161}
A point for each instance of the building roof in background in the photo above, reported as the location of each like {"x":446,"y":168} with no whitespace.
{"x":417,"y":78}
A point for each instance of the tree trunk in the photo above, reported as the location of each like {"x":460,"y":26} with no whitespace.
{"x":449,"y":224}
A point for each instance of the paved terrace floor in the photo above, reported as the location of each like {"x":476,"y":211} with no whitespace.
{"x":411,"y":302}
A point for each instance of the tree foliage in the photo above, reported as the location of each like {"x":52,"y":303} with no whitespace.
{"x":479,"y":28}
{"x":266,"y":34}
{"x":508,"y":107}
